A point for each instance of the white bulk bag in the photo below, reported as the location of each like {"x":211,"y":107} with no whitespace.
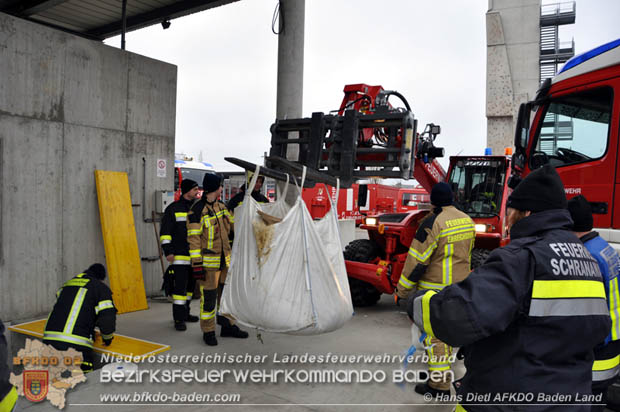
{"x":298,"y":283}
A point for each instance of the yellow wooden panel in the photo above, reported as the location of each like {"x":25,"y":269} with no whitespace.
{"x":119,"y":239}
{"x":121,"y":345}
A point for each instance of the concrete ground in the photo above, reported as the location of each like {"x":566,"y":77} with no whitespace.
{"x":378,"y":330}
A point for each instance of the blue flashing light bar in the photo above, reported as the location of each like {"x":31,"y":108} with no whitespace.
{"x":583,"y":57}
{"x":488,"y":151}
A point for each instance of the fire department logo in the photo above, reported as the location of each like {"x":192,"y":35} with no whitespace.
{"x":35,"y":385}
{"x":46,"y":373}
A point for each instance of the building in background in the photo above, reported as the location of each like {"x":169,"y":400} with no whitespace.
{"x":523,"y":49}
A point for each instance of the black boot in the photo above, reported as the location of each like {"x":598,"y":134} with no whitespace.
{"x":233,"y":332}
{"x":423,"y":389}
{"x":209,"y":338}
{"x":229,"y":330}
{"x":191,"y":318}
{"x":180,"y":325}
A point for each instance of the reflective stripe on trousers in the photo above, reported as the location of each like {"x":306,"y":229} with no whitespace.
{"x":605,"y":369}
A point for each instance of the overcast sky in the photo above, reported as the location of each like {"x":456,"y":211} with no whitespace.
{"x":433,"y":52}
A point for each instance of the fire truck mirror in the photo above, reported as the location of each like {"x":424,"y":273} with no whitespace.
{"x":362,"y":195}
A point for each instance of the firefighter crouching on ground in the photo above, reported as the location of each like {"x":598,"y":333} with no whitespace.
{"x":81,"y":304}
{"x":209,"y":224}
{"x":173,"y":236}
{"x":8,"y":393}
{"x":439,"y":255}
{"x":607,"y":354}
{"x":527,"y":320}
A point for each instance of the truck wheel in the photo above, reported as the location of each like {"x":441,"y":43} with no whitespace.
{"x":362,"y":250}
{"x":478,"y":256}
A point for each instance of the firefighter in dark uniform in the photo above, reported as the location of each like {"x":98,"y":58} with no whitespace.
{"x":237,"y":199}
{"x":607,"y":354}
{"x":528,"y":319}
{"x":8,"y":393}
{"x":209,"y":225}
{"x":439,"y":255}
{"x":81,"y":304}
{"x":173,"y":237}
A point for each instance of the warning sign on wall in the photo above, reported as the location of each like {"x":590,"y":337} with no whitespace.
{"x":161,"y":167}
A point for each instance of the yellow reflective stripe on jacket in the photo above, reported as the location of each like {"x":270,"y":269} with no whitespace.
{"x":104,"y":304}
{"x":568,"y":298}
{"x":75,"y":310}
{"x":180,"y":216}
{"x":165,"y":239}
{"x":68,"y":338}
{"x":8,"y":402}
{"x":424,"y":256}
{"x":76,"y":282}
{"x":605,"y":369}
{"x":227,"y":260}
{"x":210,"y":236}
{"x":211,"y":261}
{"x":230,"y":217}
{"x":181,"y":260}
{"x":431,"y":285}
{"x":546,"y":289}
{"x":447,"y":263}
{"x":406,"y":283}
{"x":194,"y":253}
{"x":459,"y":408}
{"x":106,"y":337}
{"x":456,"y":230}
{"x":194,"y":232}
{"x":614,"y":304}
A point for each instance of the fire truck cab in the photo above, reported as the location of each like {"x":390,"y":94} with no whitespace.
{"x":574,"y":125}
{"x":189,"y":169}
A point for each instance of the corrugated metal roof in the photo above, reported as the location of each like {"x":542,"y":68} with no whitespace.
{"x":101,"y":19}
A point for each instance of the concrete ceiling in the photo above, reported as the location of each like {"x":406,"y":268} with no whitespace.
{"x":100,"y":19}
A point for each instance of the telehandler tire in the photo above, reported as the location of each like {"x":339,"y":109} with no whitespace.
{"x":362,"y":250}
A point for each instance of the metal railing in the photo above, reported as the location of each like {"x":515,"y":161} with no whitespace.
{"x":557,"y":9}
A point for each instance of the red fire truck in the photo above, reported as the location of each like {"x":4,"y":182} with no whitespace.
{"x":379,"y":199}
{"x":575,"y":127}
{"x":189,"y":169}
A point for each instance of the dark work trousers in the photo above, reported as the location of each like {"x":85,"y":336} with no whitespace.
{"x":182,"y":291}
{"x":88,"y":358}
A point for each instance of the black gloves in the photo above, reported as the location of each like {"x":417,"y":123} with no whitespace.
{"x":107,"y":342}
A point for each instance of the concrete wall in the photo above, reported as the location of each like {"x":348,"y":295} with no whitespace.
{"x":69,"y":106}
{"x":513,"y":49}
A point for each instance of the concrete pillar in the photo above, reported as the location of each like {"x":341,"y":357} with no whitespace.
{"x":513,"y":49}
{"x":290,"y":68}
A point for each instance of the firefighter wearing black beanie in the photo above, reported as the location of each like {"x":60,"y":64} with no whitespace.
{"x":581,"y":213}
{"x":187,"y":185}
{"x":537,"y":303}
{"x":541,"y":190}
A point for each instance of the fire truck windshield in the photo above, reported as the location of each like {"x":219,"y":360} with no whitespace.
{"x":574,"y":129}
{"x":196,"y":175}
{"x":478,"y":186}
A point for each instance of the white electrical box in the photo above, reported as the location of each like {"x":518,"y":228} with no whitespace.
{"x":162,"y":199}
